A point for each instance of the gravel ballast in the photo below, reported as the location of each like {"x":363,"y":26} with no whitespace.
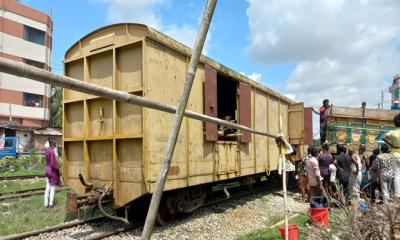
{"x":224,"y":220}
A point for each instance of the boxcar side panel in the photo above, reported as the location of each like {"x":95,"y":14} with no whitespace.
{"x":262,"y":125}
{"x":283,"y":110}
{"x":166,"y":70}
{"x":273,"y":127}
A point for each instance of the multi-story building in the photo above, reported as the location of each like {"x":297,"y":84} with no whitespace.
{"x":395,"y":91}
{"x":26,"y":36}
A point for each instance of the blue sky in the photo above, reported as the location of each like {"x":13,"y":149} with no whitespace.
{"x":229,"y":31}
{"x":347,"y":51}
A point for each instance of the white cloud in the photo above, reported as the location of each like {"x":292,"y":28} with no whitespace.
{"x":254,"y":76}
{"x":346,"y":51}
{"x":291,"y":96}
{"x":142,"y":11}
{"x":145,"y":11}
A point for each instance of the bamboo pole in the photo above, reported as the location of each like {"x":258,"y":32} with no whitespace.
{"x":21,"y":69}
{"x":283,"y":159}
{"x":176,"y":125}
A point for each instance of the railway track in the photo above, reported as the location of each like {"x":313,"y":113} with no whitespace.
{"x":21,"y":177}
{"x":25,"y":193}
{"x":101,"y":227}
{"x":94,"y":224}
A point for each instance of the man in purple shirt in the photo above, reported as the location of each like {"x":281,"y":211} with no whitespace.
{"x":52,"y":175}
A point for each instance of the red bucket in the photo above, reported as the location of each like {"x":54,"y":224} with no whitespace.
{"x":319,"y":216}
{"x":293,"y":232}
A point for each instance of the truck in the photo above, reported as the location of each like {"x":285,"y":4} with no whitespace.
{"x":356,"y":126}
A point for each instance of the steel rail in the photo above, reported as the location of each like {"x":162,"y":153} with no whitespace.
{"x":21,"y":191}
{"x":25,"y":193}
{"x":6,"y":178}
{"x":51,"y":229}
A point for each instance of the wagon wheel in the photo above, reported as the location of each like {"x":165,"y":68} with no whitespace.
{"x":164,"y":215}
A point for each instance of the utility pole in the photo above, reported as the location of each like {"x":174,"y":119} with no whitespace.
{"x":382,"y":95}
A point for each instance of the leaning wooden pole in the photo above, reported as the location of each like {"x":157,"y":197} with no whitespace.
{"x":24,"y":70}
{"x":176,"y":125}
{"x":283,"y":159}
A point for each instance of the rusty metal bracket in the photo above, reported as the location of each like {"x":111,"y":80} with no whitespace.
{"x":88,"y":186}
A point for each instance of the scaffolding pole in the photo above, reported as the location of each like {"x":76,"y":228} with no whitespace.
{"x":176,"y":124}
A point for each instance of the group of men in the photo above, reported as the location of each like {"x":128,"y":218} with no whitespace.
{"x":354,"y":173}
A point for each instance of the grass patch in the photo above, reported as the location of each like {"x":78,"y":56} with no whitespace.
{"x":22,"y":172}
{"x":28,"y":214}
{"x":273,"y":233}
{"x":21,"y":185}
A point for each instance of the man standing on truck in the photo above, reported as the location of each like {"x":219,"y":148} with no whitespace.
{"x":323,"y":119}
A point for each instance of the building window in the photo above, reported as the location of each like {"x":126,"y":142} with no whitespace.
{"x":34,"y":35}
{"x":32,"y":100}
{"x":34,"y":63}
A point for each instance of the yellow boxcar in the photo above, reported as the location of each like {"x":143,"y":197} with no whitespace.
{"x":116,"y":143}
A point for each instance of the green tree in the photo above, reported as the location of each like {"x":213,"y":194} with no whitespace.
{"x":56,"y":107}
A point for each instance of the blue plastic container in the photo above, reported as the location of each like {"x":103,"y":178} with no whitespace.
{"x":318,"y":202}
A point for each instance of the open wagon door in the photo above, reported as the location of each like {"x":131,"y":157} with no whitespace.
{"x":300,"y":124}
{"x":210,"y":102}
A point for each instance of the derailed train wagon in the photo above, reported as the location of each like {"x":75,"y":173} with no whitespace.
{"x":119,"y":145}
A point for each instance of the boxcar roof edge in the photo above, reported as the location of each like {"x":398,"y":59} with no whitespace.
{"x":174,"y":44}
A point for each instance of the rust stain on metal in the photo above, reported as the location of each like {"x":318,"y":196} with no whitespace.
{"x":174,"y":170}
{"x":72,"y":202}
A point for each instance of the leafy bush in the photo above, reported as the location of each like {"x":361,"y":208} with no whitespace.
{"x":33,"y":161}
